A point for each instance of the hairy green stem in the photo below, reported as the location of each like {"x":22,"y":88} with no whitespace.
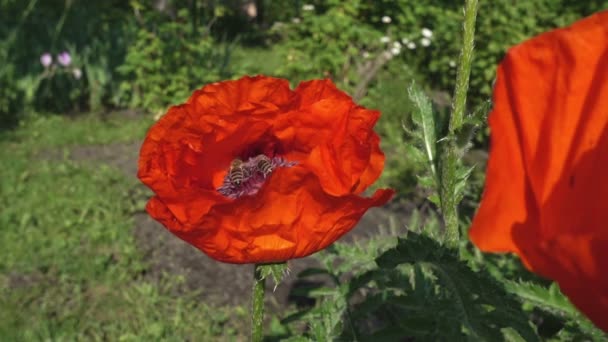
{"x":449,"y":159}
{"x":464,"y":66}
{"x":257,"y":313}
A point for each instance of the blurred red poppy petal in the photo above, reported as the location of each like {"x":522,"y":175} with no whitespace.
{"x":545,"y":198}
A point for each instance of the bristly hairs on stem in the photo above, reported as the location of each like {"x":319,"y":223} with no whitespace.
{"x":449,"y":157}
{"x":257,"y":304}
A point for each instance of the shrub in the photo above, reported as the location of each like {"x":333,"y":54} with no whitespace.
{"x":164,"y":65}
{"x":333,"y":38}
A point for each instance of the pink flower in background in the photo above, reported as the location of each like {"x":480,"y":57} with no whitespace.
{"x":46,"y":59}
{"x":64,"y":58}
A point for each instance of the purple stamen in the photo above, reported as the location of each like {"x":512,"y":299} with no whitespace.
{"x":253,"y":178}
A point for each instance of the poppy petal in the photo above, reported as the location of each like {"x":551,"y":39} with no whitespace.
{"x":290,"y":218}
{"x":328,"y":155}
{"x":544,"y":197}
{"x":334,"y":137}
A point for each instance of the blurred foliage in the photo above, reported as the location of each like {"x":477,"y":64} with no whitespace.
{"x":94,"y":33}
{"x":333,"y":37}
{"x":149,"y":53}
{"x":328,"y":44}
{"x":167,"y":61}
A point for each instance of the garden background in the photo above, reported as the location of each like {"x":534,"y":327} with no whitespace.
{"x":80,"y":259}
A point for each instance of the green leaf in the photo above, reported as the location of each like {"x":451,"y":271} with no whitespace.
{"x":472,"y":123}
{"x":552,"y":300}
{"x":276,"y":271}
{"x":424,"y":119}
{"x":511,"y":335}
{"x":471,"y":301}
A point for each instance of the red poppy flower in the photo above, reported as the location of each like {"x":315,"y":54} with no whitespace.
{"x":249,"y":171}
{"x":546,"y":195}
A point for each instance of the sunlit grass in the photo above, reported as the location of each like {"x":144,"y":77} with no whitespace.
{"x":54,"y":130}
{"x":69,"y":267}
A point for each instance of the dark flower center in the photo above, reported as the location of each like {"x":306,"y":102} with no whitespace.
{"x":246,"y":177}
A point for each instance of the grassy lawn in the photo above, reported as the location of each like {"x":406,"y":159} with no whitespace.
{"x":69,"y":266}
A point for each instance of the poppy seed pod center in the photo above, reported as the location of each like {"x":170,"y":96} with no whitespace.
{"x":246,"y":177}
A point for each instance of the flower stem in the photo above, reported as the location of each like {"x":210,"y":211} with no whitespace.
{"x":449,"y":160}
{"x":257,"y":314}
{"x":464,"y":66}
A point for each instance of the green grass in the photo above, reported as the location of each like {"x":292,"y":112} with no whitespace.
{"x":69,"y":268}
{"x":254,"y":61}
{"x":38,"y":131}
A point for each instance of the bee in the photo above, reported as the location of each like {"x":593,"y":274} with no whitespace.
{"x":264,"y":165}
{"x":237,"y":173}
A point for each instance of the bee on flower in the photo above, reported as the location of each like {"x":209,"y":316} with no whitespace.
{"x":238,"y":173}
{"x":263,"y":165}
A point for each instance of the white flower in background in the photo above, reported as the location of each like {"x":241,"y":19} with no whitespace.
{"x":452,"y":64}
{"x":405,"y":41}
{"x":396,"y":45}
{"x":296,"y":20}
{"x":77,"y":73}
{"x":386,"y":19}
{"x":411,"y":45}
{"x":251,"y":10}
{"x":425,"y":42}
{"x":385,"y":39}
{"x":395,"y":50}
{"x":308,"y":7}
{"x":427,"y":32}
{"x":365,"y":54}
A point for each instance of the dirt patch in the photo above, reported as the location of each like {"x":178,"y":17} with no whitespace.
{"x":18,"y":280}
{"x":122,"y":156}
{"x":218,"y":283}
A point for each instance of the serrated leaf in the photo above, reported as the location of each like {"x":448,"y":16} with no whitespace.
{"x":276,"y":271}
{"x":424,"y":119}
{"x":474,"y":302}
{"x":462,"y":176}
{"x":552,"y":300}
{"x":471,"y":124}
{"x":549,"y":299}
